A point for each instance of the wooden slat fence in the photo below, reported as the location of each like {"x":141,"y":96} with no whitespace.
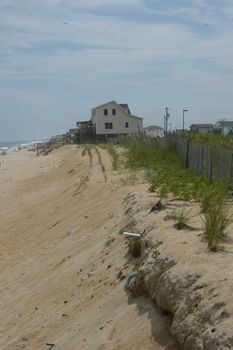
{"x":211,"y":161}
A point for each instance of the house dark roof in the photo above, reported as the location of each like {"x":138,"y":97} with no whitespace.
{"x":202,"y":126}
{"x":125,"y":107}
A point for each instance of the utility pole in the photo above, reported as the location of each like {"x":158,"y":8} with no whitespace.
{"x":184,"y":110}
{"x":167,"y":115}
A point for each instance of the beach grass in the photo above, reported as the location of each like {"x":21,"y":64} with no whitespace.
{"x":167,"y":176}
{"x":112,"y":151}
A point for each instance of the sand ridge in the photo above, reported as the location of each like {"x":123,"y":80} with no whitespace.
{"x":60,"y":217}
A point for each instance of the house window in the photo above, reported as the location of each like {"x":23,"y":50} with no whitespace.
{"x":127,"y":124}
{"x":113,"y":111}
{"x":108,"y":125}
{"x":105,"y":111}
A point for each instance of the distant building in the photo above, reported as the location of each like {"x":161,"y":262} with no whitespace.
{"x":71,"y":135}
{"x":113,"y":118}
{"x":154,"y":131}
{"x":202,"y":128}
{"x":108,"y":121}
{"x":225,"y":127}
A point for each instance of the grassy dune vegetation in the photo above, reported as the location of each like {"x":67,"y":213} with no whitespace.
{"x":112,"y":151}
{"x":167,"y":176}
{"x":211,"y":139}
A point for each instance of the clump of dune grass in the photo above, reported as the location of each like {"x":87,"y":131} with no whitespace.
{"x":170,"y":214}
{"x":182,"y":218}
{"x":215,"y":207}
{"x":112,"y":151}
{"x":129,"y":180}
{"x":216,"y":221}
{"x":87,"y":149}
{"x":211,"y":192}
{"x":90,"y":155}
{"x":149,"y":174}
{"x":101,"y":163}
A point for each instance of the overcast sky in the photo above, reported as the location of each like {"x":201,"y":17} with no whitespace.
{"x":60,"y":58}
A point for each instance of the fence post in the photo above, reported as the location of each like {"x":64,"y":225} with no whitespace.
{"x":187,"y":154}
{"x":202,"y":159}
{"x":210,"y":170}
{"x":231,"y":168}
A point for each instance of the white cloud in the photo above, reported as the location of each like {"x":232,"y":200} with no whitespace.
{"x":88,"y":49}
{"x":107,"y":3}
{"x":199,"y":3}
{"x":17,"y":96}
{"x":87,"y":43}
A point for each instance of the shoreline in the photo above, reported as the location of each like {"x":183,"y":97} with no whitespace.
{"x":19,"y":145}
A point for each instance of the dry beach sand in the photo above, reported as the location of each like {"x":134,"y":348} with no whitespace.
{"x":61,"y":254}
{"x":63,"y":260}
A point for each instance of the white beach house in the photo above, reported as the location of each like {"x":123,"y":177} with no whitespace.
{"x":112,"y":118}
{"x":154,"y":131}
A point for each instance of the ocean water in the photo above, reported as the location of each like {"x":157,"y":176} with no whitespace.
{"x":13,"y":145}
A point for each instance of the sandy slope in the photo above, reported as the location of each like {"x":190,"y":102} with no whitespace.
{"x":60,"y":255}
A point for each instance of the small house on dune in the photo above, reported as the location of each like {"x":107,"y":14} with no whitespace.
{"x":154,"y":131}
{"x":202,"y":128}
{"x":108,"y":121}
{"x":71,"y":135}
{"x":224,"y":127}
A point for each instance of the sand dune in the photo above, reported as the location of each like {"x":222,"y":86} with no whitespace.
{"x":61,"y":253}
